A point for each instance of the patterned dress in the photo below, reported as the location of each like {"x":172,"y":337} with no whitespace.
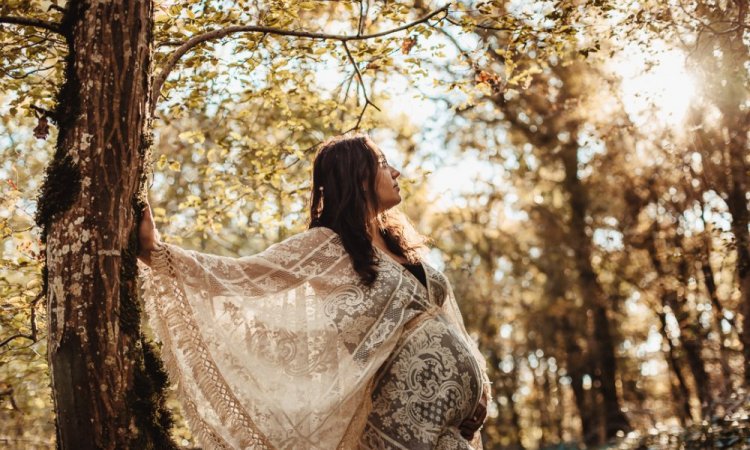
{"x":288,"y":350}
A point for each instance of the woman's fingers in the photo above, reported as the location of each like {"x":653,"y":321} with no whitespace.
{"x":481,"y":411}
{"x":470,"y":426}
{"x":148,"y":236}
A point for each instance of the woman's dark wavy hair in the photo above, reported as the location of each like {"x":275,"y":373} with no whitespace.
{"x":343,"y":191}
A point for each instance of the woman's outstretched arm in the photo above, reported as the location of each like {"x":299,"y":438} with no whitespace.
{"x":280,"y":267}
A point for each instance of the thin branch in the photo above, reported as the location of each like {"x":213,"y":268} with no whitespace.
{"x":16,"y":336}
{"x":194,"y":41}
{"x":9,"y":393}
{"x":361,"y":25}
{"x":361,"y":83}
{"x":34,"y":335}
{"x":34,"y":332}
{"x":29,"y":22}
{"x":170,"y":43}
{"x":27,"y":74}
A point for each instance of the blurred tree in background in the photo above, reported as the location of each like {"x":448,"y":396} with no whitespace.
{"x":580,"y":166}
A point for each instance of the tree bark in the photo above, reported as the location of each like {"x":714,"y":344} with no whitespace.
{"x":102,"y":393}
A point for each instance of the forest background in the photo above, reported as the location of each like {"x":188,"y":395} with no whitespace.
{"x":581,"y":167}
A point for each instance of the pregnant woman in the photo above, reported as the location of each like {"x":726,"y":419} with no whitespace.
{"x":339,"y":337}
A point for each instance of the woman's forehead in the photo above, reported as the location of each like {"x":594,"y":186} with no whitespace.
{"x":378,"y":152}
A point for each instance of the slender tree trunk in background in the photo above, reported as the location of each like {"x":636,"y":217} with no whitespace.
{"x":615,"y":419}
{"x":543,"y":401}
{"x":515,"y":418}
{"x":709,"y":281}
{"x":101,"y":391}
{"x":667,"y":297}
{"x":692,"y":348}
{"x":737,"y":204}
{"x":691,"y":332}
{"x":547,"y":420}
{"x":575,"y":364}
{"x":561,"y":410}
{"x":680,"y":391}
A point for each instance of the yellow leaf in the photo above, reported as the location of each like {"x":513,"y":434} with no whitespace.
{"x":174,"y":165}
{"x":161,"y":162}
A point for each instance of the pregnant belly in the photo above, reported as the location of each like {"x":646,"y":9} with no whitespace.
{"x":431,"y":382}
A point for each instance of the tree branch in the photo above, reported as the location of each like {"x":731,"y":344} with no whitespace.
{"x":361,"y":83}
{"x":29,"y":22}
{"x":15,"y":336}
{"x":361,"y":25}
{"x":33,"y":336}
{"x":194,"y":41}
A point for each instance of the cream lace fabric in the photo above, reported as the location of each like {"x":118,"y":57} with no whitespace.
{"x":286,"y":349}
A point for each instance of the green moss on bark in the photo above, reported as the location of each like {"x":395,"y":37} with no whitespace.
{"x":147,"y":398}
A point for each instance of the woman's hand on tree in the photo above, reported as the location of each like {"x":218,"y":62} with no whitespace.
{"x":148,"y":236}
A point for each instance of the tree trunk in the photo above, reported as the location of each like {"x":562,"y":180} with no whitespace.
{"x":737,"y":204}
{"x":680,"y":391}
{"x":709,"y":282}
{"x":689,"y":340}
{"x":576,"y":367}
{"x":515,"y":418}
{"x":691,"y":332}
{"x":102,"y":392}
{"x":559,"y":412}
{"x":543,"y":401}
{"x":615,"y":419}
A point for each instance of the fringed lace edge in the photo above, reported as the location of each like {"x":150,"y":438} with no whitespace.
{"x":169,"y":310}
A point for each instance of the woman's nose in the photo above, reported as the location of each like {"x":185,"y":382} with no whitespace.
{"x":395,"y":173}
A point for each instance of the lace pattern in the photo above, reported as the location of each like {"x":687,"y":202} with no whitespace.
{"x":280,"y":350}
{"x":429,"y":385}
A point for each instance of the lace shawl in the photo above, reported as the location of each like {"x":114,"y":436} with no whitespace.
{"x":279,"y":350}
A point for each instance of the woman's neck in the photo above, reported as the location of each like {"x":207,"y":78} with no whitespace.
{"x":378,"y":241}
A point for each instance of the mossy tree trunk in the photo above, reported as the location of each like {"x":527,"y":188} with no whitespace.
{"x":103,"y":395}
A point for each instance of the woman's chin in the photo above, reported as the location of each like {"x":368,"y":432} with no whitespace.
{"x":392,"y":204}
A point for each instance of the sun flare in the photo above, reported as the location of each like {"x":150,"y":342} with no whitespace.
{"x":656,"y":87}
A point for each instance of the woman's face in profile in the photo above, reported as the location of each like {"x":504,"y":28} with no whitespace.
{"x":386,"y":184}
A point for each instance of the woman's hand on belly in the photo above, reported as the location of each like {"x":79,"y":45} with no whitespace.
{"x":470,"y":426}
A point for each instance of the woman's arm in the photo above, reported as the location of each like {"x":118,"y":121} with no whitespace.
{"x":276,"y":269}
